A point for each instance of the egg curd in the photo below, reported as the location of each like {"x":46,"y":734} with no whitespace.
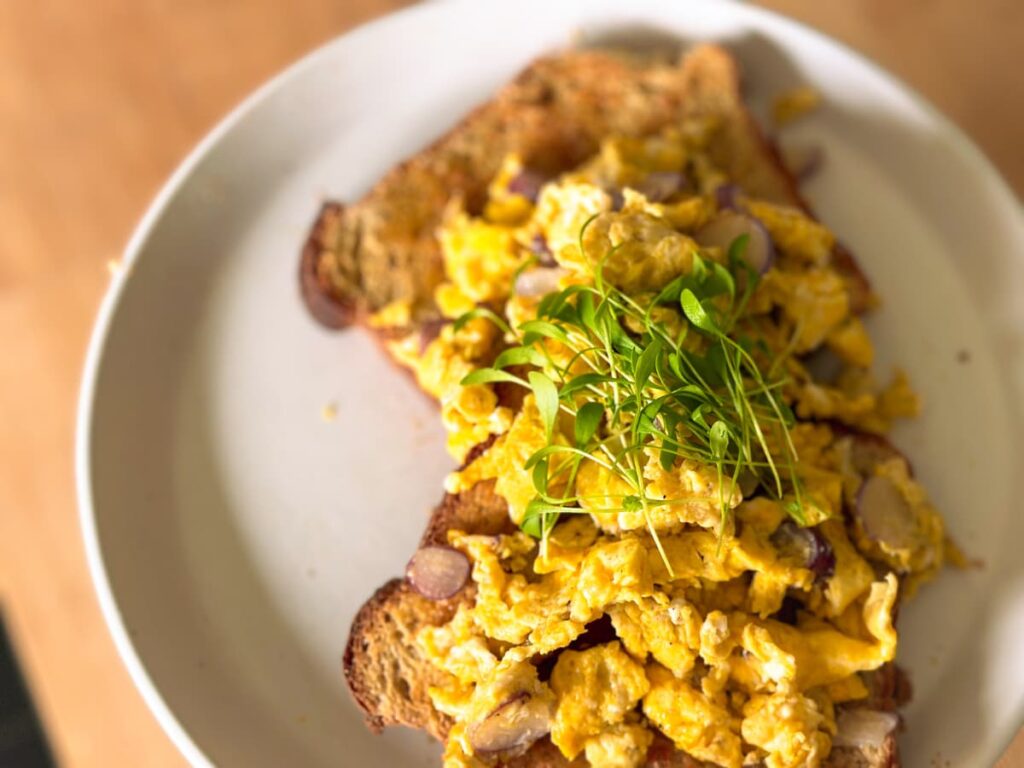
{"x":744,"y":610}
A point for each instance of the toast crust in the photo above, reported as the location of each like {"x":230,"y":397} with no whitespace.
{"x":314,"y":280}
{"x":386,"y":675}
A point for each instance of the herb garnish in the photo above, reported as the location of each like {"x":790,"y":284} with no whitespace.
{"x":633,"y":385}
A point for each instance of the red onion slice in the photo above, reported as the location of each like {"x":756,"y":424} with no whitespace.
{"x":807,"y":544}
{"x":804,"y":160}
{"x":430,"y":330}
{"x":527,"y":183}
{"x":823,"y":364}
{"x":539,"y":281}
{"x":726,"y":226}
{"x":725,"y":197}
{"x":438,"y":572}
{"x":884,"y":514}
{"x":864,"y":727}
{"x":868,"y":450}
{"x":512,"y":727}
{"x":617,"y":198}
{"x":659,"y":186}
{"x":539,"y":248}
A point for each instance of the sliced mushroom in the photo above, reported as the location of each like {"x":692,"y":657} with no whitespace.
{"x":438,"y":572}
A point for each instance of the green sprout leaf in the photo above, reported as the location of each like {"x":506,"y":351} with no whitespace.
{"x":489,"y":376}
{"x":635,"y":390}
{"x":588,"y":419}
{"x":540,"y":517}
{"x":519,"y":356}
{"x":534,"y":330}
{"x":696,"y":314}
{"x":738,"y":249}
{"x":632,"y":504}
{"x":545,"y":393}
{"x":583,"y":381}
{"x":719,"y":439}
{"x":540,"y":477}
{"x":483,"y":312}
{"x":646,"y":362}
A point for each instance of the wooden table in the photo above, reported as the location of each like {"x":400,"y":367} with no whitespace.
{"x":98,"y":102}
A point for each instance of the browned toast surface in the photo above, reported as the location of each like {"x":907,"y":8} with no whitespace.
{"x":389,"y":676}
{"x":553,"y":115}
{"x":386,"y":674}
{"x":383,"y":248}
{"x":360,"y":257}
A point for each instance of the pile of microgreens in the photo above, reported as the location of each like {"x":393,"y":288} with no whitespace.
{"x":630,"y":393}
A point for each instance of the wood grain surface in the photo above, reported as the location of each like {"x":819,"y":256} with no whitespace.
{"x":99,"y":101}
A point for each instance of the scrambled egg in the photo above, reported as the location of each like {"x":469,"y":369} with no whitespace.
{"x":595,"y":689}
{"x":696,"y":590}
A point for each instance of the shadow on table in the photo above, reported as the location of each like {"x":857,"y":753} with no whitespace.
{"x":22,"y":741}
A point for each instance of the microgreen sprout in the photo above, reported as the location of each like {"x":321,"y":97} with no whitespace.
{"x":633,"y":386}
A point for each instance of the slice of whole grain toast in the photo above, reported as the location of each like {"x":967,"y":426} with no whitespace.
{"x":359,"y":258}
{"x":389,"y":676}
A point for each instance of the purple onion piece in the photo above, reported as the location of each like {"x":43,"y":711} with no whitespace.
{"x":539,"y":248}
{"x":726,"y":197}
{"x":884,"y":515}
{"x":749,"y":483}
{"x":527,"y":183}
{"x":617,"y":198}
{"x":860,"y":728}
{"x":868,"y":450}
{"x":804,"y":160}
{"x":659,"y":186}
{"x":726,"y":226}
{"x":808,"y":545}
{"x":823,"y":364}
{"x":512,"y":727}
{"x":438,"y":572}
{"x":539,"y":281}
{"x":430,"y":330}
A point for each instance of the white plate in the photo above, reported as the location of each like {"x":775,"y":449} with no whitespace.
{"x":232,"y":533}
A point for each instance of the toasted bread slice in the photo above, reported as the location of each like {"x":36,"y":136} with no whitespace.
{"x":383,"y":248}
{"x":389,"y":677}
